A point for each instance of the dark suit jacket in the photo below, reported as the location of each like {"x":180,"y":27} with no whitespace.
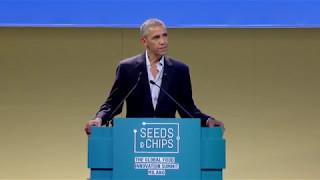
{"x":176,"y":81}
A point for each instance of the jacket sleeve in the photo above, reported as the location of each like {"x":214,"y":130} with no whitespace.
{"x":187,"y":100}
{"x":106,"y":111}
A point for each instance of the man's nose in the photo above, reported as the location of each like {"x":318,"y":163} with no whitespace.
{"x":163,"y":40}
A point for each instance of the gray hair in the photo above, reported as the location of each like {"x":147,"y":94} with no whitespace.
{"x":150,"y":23}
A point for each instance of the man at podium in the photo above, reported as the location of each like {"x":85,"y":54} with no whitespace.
{"x":151,"y":83}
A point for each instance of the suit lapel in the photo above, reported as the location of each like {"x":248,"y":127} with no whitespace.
{"x":165,"y":84}
{"x":141,"y":65}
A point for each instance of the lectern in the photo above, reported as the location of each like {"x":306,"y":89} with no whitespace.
{"x":156,"y":148}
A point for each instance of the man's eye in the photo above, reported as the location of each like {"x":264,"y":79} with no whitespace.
{"x":156,"y":37}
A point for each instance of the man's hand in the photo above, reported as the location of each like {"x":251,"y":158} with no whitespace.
{"x":212,"y":123}
{"x":94,"y":122}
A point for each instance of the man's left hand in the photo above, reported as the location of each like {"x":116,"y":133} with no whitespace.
{"x":214,"y":123}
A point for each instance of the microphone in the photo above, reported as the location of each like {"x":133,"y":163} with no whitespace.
{"x":174,"y":100}
{"x":125,"y":97}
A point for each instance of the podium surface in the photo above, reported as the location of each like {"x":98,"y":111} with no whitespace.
{"x":156,"y":148}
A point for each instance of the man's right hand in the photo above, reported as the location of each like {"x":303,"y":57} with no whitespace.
{"x":94,"y":122}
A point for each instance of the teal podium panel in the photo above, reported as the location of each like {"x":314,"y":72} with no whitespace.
{"x":156,"y":148}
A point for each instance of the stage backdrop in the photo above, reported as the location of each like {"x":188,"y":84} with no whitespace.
{"x":176,"y":13}
{"x":263,"y":83}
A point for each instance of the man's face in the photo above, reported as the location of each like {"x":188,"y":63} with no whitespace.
{"x":156,"y":40}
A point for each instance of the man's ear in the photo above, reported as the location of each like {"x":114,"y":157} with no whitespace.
{"x":143,"y":41}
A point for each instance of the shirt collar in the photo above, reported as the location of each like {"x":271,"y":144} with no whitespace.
{"x":160,"y":63}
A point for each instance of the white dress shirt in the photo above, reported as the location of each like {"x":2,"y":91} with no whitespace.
{"x":154,"y":89}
